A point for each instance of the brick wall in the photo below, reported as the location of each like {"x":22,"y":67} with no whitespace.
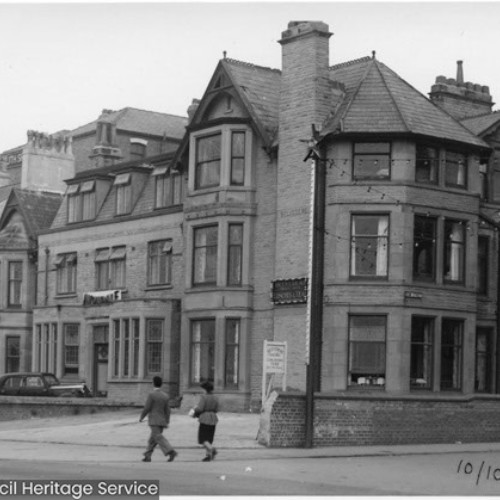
{"x":350,"y":420}
{"x":12,"y":408}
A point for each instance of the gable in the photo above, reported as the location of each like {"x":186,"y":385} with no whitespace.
{"x":13,"y":234}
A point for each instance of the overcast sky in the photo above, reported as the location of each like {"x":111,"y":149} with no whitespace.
{"x":61,"y":64}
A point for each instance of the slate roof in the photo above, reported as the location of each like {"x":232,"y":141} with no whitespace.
{"x":377,"y":100}
{"x":480,"y":124}
{"x":259,"y":88}
{"x":141,"y":122}
{"x":38,"y":208}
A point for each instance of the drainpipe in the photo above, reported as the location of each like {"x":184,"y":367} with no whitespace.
{"x":47,"y":252}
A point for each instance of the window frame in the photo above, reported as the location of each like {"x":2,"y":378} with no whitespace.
{"x":123,"y":193}
{"x":235,"y":255}
{"x":232,"y":354}
{"x":71,"y":350}
{"x":164,"y":258}
{"x":453,"y":249}
{"x":66,"y":273}
{"x":9,"y":357}
{"x":429,"y":241}
{"x":365,"y":153}
{"x":458,"y":353}
{"x":375,"y":380}
{"x":154,"y":347}
{"x":210,"y":254}
{"x":427,"y":345}
{"x":15,"y":284}
{"x":452,"y":164}
{"x":422,"y":160}
{"x":206,"y":350}
{"x":380,"y":238}
{"x":216,"y":161}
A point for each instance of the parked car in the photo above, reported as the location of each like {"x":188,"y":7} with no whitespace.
{"x":40,"y":384}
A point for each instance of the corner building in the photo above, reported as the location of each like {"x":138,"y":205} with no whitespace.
{"x":409,"y":294}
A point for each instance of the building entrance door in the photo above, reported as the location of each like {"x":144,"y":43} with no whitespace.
{"x":101,"y":350}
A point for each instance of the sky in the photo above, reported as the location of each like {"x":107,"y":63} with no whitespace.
{"x":62,"y":63}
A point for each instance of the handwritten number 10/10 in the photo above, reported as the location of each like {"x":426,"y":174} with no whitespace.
{"x":483,"y":472}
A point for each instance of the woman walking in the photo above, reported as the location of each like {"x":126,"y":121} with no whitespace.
{"x":206,"y":412}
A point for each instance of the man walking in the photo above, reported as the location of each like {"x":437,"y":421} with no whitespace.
{"x":158,"y":408}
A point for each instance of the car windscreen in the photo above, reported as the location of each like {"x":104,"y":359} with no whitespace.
{"x":51,"y":380}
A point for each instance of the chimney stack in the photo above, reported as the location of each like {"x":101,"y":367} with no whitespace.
{"x":459,"y":98}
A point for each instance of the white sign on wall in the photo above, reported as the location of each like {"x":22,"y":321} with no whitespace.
{"x":274,"y":364}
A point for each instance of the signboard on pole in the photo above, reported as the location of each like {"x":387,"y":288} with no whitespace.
{"x":274,"y":364}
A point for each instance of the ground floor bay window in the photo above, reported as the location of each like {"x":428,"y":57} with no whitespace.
{"x":451,"y":354}
{"x":422,"y":347}
{"x":367,"y":350}
{"x":215,"y":352}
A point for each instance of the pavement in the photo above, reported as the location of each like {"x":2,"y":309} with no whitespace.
{"x":118,"y":435}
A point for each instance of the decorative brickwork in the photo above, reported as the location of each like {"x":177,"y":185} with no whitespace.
{"x":349,"y":420}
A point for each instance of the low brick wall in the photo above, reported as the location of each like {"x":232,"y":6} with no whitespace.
{"x":13,"y":408}
{"x":355,"y":420}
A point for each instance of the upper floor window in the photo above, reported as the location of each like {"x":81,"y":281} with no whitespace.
{"x":81,"y":201}
{"x":483,"y":255}
{"x":235,"y":254}
{"x":369,"y":245}
{"x":159,"y":262}
{"x":15,"y":283}
{"x":137,"y":149}
{"x":454,"y":250}
{"x":66,"y":265}
{"x":426,"y":164}
{"x":372,"y":160}
{"x":208,"y":161}
{"x":168,"y":187}
{"x":205,"y":255}
{"x":456,"y":169}
{"x":123,"y":188}
{"x":237,"y":158}
{"x":221,"y":157}
{"x":110,"y":268}
{"x":424,"y":248}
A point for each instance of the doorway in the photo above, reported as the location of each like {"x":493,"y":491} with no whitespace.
{"x":101,"y":353}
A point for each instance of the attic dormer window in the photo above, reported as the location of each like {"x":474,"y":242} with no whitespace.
{"x":168,"y":187}
{"x":137,"y":149}
{"x":123,"y":189}
{"x":81,"y":201}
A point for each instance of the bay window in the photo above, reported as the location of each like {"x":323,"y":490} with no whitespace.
{"x":208,"y":161}
{"x":421,"y":356}
{"x":372,"y":160}
{"x":454,"y":251}
{"x":451,"y":354}
{"x":369,"y":245}
{"x":424,"y":248}
{"x":202,"y":367}
{"x":367,"y":346}
{"x":456,"y":169}
{"x":205,"y":255}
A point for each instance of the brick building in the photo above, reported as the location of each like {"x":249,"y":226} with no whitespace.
{"x":408,"y":292}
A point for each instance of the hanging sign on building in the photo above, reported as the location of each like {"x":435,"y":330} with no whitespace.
{"x":103,"y":297}
{"x":274,"y":364}
{"x":290,"y":291}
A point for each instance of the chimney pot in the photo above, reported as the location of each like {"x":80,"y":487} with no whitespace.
{"x":460,"y":72}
